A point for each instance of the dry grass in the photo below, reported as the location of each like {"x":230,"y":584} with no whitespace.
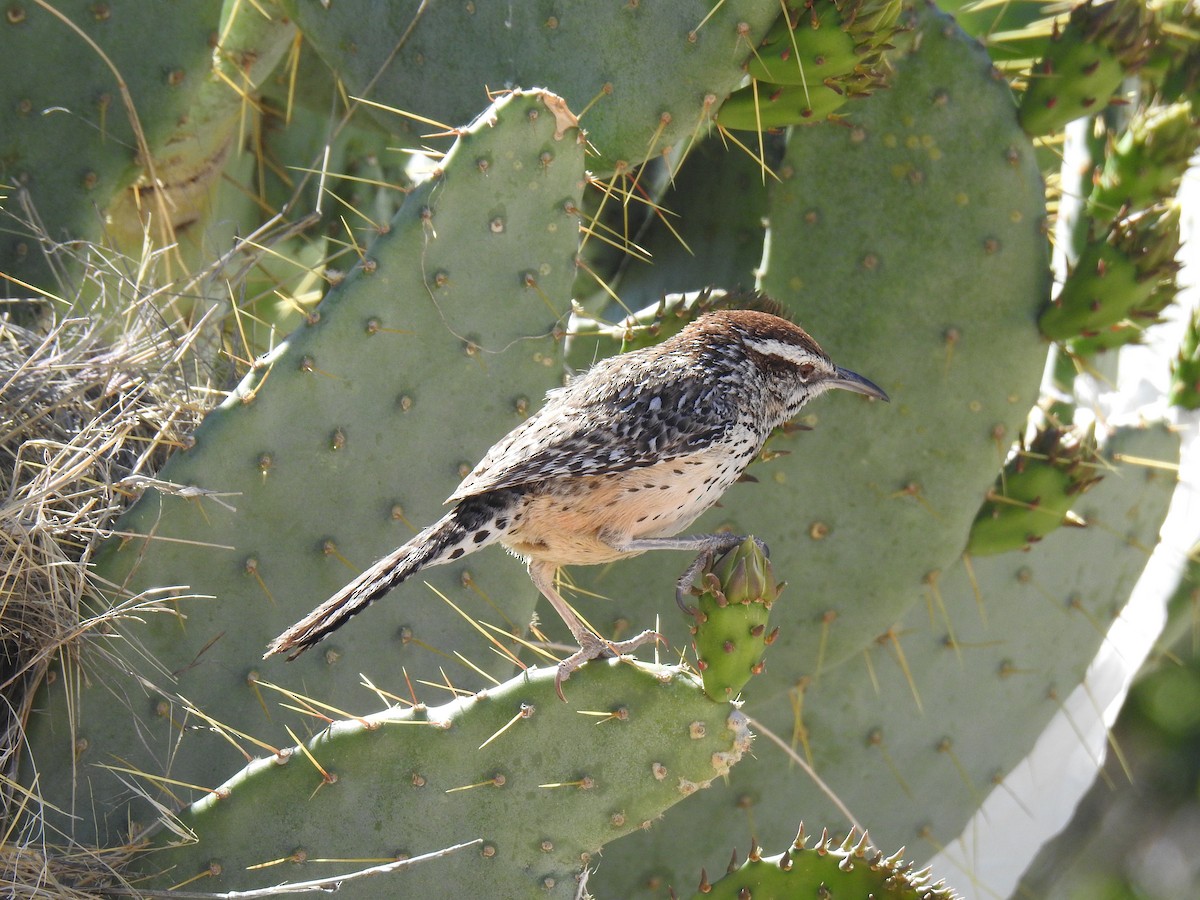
{"x":89,"y":408}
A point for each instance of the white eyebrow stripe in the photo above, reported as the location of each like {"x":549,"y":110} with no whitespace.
{"x":782,"y":349}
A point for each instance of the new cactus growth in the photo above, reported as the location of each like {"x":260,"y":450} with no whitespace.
{"x":816,"y":56}
{"x":1185,"y":371}
{"x":824,"y":868}
{"x":1146,"y":163}
{"x":1129,"y":273}
{"x":732,"y":619}
{"x":1035,"y":492}
{"x":1085,"y":62}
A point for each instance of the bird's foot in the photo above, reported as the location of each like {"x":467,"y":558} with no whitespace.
{"x":592,"y":646}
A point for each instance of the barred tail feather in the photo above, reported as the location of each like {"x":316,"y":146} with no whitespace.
{"x":464,"y":529}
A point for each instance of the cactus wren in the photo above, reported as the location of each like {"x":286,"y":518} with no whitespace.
{"x":615,"y":463}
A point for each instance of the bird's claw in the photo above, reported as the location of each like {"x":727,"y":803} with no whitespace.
{"x":593,"y":646}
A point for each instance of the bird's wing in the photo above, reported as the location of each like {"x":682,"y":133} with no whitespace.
{"x":604,"y":422}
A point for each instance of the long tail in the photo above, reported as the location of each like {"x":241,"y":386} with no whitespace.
{"x":466,"y":528}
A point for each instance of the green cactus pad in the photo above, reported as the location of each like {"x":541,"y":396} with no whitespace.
{"x":72,"y":140}
{"x":814,"y":59}
{"x":1129,"y":273}
{"x":334,"y":450}
{"x":732,"y":612}
{"x":1035,"y":493}
{"x":1185,"y":370}
{"x":645,"y":77}
{"x":544,"y":785}
{"x":1085,"y":63}
{"x":1147,"y":161}
{"x":824,"y":868}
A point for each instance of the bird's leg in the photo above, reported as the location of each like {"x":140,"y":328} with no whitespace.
{"x":707,"y":544}
{"x":591,"y":645}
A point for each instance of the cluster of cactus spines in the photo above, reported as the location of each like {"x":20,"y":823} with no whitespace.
{"x":1085,"y":62}
{"x":897,"y":732}
{"x":691,"y":52}
{"x":817,"y":55}
{"x":333,"y":451}
{"x":69,"y":146}
{"x":1185,"y":370}
{"x":543,"y":784}
{"x":701,"y":248}
{"x":732,"y":619}
{"x":824,"y":867}
{"x":1146,"y":162}
{"x":1036,"y":491}
{"x":1125,"y":277}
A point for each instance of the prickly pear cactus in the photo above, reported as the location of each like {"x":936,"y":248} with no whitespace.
{"x":908,"y":235}
{"x":1085,"y":63}
{"x":824,"y":868}
{"x":332,"y":451}
{"x":1129,"y":274}
{"x":902,"y":497}
{"x":816,"y":56}
{"x":533,"y":786}
{"x":1035,"y":492}
{"x":1147,"y":162}
{"x":690,"y":51}
{"x":71,"y":144}
{"x":137,"y":139}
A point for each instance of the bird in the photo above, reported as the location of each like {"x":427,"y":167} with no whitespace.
{"x":616,"y":462}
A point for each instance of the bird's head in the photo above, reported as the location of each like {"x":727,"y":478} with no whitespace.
{"x":794,"y":367}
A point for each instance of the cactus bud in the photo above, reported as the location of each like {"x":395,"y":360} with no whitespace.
{"x":736,"y":594}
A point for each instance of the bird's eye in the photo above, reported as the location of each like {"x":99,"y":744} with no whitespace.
{"x":806,"y":371}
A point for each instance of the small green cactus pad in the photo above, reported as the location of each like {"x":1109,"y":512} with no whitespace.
{"x":1129,"y":273}
{"x":70,"y":140}
{"x":732,"y":613}
{"x":851,"y":868}
{"x":815,"y":57}
{"x":543,"y":784}
{"x":1084,"y":63}
{"x":1147,"y":162}
{"x":1036,"y":491}
{"x":334,"y":450}
{"x":645,"y":77}
{"x":1185,"y":370}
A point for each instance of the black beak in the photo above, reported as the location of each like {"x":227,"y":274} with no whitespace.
{"x":852,"y":381}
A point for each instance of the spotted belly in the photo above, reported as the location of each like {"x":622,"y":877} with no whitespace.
{"x":580,"y":520}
